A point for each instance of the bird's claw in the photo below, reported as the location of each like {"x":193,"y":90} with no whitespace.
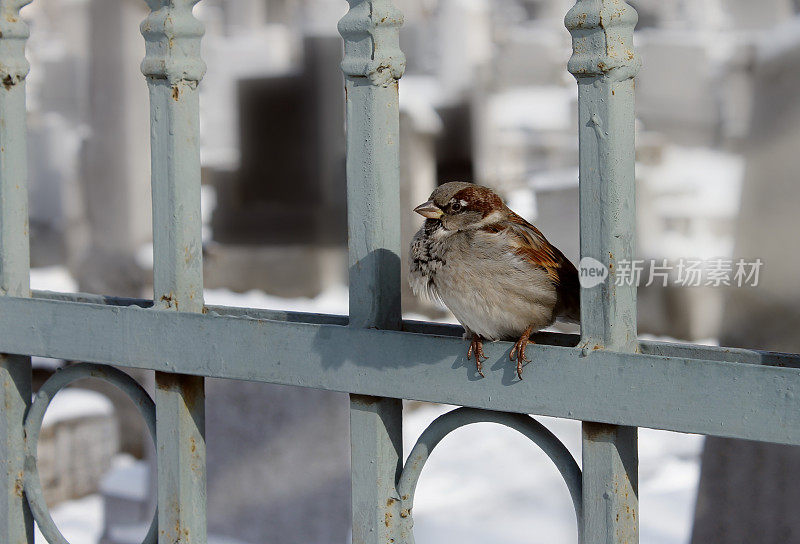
{"x":518,"y":354}
{"x":476,"y":347}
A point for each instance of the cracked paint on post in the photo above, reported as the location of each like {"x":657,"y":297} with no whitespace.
{"x":604,"y":65}
{"x":173,"y":68}
{"x":372,"y":65}
{"x":16,"y":522}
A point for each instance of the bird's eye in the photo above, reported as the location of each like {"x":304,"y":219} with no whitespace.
{"x":456,"y":207}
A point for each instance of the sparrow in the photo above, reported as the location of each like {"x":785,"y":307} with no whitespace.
{"x":496,"y":272}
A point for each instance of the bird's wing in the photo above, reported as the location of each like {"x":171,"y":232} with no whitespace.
{"x":530,"y":244}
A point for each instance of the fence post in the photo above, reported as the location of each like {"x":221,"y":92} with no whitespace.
{"x":174,"y":69}
{"x":604,"y":65}
{"x":373,"y":64}
{"x":16,"y":522}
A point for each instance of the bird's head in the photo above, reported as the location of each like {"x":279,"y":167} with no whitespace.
{"x":462,"y":206}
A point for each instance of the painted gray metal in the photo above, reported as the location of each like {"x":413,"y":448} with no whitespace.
{"x":685,"y":394}
{"x":604,"y":65}
{"x":376,"y":454}
{"x":16,"y":522}
{"x":173,"y":68}
{"x":455,"y":419}
{"x":33,"y":425}
{"x":372,"y":66}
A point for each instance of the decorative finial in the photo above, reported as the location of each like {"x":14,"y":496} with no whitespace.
{"x":14,"y":32}
{"x":172,"y":35}
{"x":371,"y":32}
{"x":602,"y":39}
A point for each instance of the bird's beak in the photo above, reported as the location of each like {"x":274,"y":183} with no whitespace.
{"x":429,"y":210}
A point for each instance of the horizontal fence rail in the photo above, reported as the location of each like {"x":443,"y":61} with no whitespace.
{"x":695,"y":389}
{"x":647,"y":347}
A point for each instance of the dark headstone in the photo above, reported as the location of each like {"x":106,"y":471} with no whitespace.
{"x":291,"y":183}
{"x":454,"y":144}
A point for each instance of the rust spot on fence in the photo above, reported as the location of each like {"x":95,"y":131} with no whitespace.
{"x":170,"y":300}
{"x":176,"y":94}
{"x":9,"y":81}
{"x":387,"y":519}
{"x":11,"y":19}
{"x":19,"y":486}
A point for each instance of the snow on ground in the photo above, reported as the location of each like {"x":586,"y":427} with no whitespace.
{"x":484,"y":483}
{"x":331,"y":301}
{"x":80,"y":521}
{"x":487,"y":483}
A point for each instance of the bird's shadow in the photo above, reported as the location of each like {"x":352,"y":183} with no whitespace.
{"x":509,"y":368}
{"x":492,"y":364}
{"x":469,"y":364}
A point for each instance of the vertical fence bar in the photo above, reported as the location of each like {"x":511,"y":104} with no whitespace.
{"x":174,"y":69}
{"x":16,"y":522}
{"x":373,"y":64}
{"x":604,"y":64}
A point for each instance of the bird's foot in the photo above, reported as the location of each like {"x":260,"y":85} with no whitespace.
{"x":518,"y":351}
{"x":476,"y":347}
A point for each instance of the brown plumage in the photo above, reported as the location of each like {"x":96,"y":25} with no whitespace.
{"x":496,"y":272}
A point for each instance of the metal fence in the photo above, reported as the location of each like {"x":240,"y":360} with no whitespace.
{"x":611,"y":382}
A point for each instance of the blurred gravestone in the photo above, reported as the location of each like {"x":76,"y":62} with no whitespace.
{"x":747,"y":490}
{"x":282,"y":215}
{"x":278,"y":463}
{"x":116,"y":180}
